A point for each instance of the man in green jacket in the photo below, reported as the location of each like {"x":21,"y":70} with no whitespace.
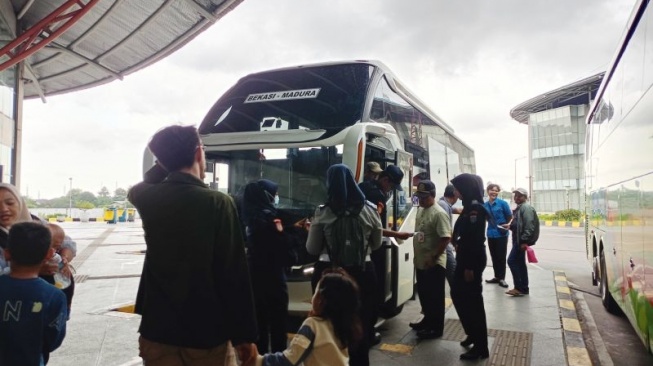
{"x":525,"y":228}
{"x":195,"y":295}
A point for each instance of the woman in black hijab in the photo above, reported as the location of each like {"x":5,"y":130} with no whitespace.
{"x":344,"y":198}
{"x":268,"y":244}
{"x":467,"y":289}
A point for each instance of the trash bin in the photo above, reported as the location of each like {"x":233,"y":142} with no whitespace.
{"x":122,"y":215}
{"x":110,"y":215}
{"x":131,"y":213}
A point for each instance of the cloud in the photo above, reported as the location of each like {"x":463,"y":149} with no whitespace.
{"x":471,"y":61}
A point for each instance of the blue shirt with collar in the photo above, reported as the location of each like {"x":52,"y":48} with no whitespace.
{"x":500,"y":210}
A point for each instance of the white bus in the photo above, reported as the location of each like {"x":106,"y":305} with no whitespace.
{"x":619,"y":178}
{"x":289,"y":125}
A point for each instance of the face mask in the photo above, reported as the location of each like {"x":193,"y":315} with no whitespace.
{"x":276,"y":201}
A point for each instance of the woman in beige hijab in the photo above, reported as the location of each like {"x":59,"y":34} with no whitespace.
{"x":13,"y":209}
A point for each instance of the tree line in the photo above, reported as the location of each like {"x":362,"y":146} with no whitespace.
{"x":80,"y":199}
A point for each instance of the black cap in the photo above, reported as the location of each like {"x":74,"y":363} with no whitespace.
{"x":449,"y":191}
{"x":395,"y":175}
{"x":426,"y":187}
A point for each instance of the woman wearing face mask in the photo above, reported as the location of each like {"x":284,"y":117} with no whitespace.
{"x":467,"y":289}
{"x":12,"y":211}
{"x":268,"y":244}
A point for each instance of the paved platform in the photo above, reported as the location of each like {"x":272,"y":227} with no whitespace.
{"x":523,"y":331}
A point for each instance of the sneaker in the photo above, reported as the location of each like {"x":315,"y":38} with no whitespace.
{"x":428,"y":334}
{"x":418,"y":326}
{"x":376,"y":339}
{"x":494,"y":280}
{"x":475,"y":354}
{"x":467,"y":342}
{"x":503,"y":283}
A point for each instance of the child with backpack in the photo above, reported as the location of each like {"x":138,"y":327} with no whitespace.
{"x":344,"y":231}
{"x":331,"y":326}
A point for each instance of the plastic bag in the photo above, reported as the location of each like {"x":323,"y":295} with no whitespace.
{"x":530,"y":254}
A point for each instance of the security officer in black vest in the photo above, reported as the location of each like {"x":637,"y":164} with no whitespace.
{"x":376,"y":191}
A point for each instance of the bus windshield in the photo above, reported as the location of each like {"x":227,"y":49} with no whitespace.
{"x":299,"y":172}
{"x":327,"y":97}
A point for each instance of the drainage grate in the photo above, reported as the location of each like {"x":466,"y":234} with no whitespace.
{"x":509,"y":348}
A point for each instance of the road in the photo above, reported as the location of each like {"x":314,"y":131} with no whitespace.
{"x":563,"y":248}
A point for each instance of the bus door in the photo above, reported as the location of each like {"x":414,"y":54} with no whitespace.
{"x":403,"y":219}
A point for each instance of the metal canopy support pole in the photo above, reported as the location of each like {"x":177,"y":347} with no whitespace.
{"x":17,"y":145}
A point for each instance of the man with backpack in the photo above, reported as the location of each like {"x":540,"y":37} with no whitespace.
{"x":433,"y":228}
{"x":525,"y":228}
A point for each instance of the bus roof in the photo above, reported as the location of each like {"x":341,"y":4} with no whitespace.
{"x":634,"y":19}
{"x":392,"y":79}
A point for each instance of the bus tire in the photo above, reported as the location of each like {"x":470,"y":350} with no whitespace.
{"x":606,"y":297}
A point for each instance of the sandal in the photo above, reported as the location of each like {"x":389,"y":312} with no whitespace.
{"x":513,"y":292}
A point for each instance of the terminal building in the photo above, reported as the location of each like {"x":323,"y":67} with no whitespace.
{"x":556,"y":144}
{"x":60,"y":46}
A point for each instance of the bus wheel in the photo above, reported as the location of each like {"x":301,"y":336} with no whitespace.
{"x":606,"y":297}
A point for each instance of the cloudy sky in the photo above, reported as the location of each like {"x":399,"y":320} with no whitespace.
{"x":470,"y":61}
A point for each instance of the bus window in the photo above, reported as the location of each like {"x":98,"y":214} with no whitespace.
{"x":299,"y":172}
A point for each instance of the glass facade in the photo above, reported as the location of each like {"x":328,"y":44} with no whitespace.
{"x":557,"y":149}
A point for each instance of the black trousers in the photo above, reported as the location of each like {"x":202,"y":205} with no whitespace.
{"x":467,"y":297}
{"x":430,"y":289}
{"x":498,"y":250}
{"x":271,"y":302}
{"x":367,"y":284}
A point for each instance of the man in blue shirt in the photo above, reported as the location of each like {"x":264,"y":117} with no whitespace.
{"x":497,"y":233}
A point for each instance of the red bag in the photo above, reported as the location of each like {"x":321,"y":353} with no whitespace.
{"x":530,"y":254}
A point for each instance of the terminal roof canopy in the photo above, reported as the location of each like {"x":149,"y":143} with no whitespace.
{"x":114,"y":39}
{"x":579,"y":92}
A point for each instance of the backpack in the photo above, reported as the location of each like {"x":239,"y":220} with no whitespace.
{"x":347,"y":247}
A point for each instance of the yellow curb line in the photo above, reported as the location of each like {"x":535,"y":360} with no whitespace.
{"x":572,"y":325}
{"x":563,"y":289}
{"x":567,"y":304}
{"x":397,"y":348}
{"x":125,"y":309}
{"x":578,"y":357}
